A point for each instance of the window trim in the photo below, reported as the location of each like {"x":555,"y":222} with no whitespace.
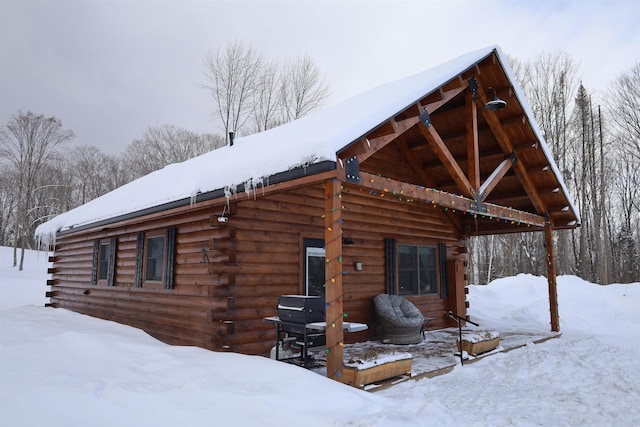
{"x":161,"y":258}
{"x":108,"y":248}
{"x":104,"y":249}
{"x":310,"y":245}
{"x":167,"y":258}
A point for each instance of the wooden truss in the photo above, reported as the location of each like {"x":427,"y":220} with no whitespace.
{"x":473,"y":192}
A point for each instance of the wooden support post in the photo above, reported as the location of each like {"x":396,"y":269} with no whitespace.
{"x":333,"y":279}
{"x":551,"y":278}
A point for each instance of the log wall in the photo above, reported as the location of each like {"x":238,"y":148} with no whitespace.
{"x":228,"y":276}
{"x":182,"y":315}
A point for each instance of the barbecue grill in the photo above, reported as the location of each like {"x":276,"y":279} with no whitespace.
{"x":295,"y":313}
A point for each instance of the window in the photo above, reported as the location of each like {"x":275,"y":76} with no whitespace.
{"x":417,"y":270}
{"x":155,"y":255}
{"x":154,"y":259}
{"x":313,"y":267}
{"x":103,"y":261}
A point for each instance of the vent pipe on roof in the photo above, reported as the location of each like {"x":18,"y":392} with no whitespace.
{"x":231,"y":138}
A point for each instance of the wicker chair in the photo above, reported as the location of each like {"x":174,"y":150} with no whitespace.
{"x":399,"y":321}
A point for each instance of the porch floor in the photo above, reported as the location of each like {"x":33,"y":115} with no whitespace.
{"x":434,"y":356}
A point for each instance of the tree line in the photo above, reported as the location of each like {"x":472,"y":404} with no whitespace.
{"x":594,"y":139}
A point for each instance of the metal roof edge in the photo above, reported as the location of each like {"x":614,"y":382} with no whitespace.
{"x":290,"y":175}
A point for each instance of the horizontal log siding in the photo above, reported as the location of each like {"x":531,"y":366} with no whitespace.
{"x":183,"y":315}
{"x":228,"y":276}
{"x":368,"y":219}
{"x":269,"y":234}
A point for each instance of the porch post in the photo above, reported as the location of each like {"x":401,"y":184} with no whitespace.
{"x":551,"y":278}
{"x":333,"y":278}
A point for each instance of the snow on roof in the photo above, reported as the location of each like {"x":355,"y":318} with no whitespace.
{"x":311,"y":139}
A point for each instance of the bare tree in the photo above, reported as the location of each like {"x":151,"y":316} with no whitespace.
{"x":623,"y":99}
{"x":92,"y":173}
{"x":549,"y":82}
{"x":253,"y":95}
{"x":8,"y":203}
{"x":232,"y":76}
{"x":624,"y":102}
{"x":267,"y":102}
{"x":303,"y":88}
{"x":163,"y":145}
{"x":26,"y":143}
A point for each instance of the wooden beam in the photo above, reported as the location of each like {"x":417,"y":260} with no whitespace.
{"x":424,"y":177}
{"x":518,"y":120}
{"x":411,"y":192}
{"x":447,"y":159}
{"x":416,"y":166}
{"x":490,"y":183}
{"x":551,"y":278}
{"x":446,"y":97}
{"x":333,"y":278}
{"x":381,"y":136}
{"x":364,"y":147}
{"x":503,"y":140}
{"x":387,"y":128}
{"x":473,"y":154}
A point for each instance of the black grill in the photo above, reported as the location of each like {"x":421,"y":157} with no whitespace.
{"x":300,"y":309}
{"x":295,"y":313}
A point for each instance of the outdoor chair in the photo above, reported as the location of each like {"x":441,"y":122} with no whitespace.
{"x":399,"y":321}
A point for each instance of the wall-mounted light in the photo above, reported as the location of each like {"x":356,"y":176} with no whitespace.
{"x":224,"y":217}
{"x":496,"y":103}
{"x":347,"y":241}
{"x":358,"y":266}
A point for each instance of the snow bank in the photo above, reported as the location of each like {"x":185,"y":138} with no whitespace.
{"x":60,"y":368}
{"x":18,"y":288}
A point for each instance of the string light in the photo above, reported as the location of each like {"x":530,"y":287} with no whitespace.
{"x":500,"y":214}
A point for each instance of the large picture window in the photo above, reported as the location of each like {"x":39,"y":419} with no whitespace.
{"x":417,"y":270}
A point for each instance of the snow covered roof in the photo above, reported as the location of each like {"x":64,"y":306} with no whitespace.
{"x":313,"y":139}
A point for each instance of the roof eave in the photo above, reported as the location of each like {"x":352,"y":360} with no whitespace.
{"x":281,"y":177}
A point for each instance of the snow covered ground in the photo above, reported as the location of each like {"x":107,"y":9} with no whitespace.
{"x":59,"y":368}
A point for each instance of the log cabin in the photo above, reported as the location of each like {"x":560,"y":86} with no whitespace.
{"x":377,"y":194}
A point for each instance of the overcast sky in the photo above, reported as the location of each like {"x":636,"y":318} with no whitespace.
{"x":110,"y":69}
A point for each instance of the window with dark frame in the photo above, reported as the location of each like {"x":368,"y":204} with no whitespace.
{"x":103,"y":261}
{"x":103,"y":267}
{"x":154,"y":259}
{"x":417,"y":270}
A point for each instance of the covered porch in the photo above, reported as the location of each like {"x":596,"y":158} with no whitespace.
{"x":459,"y":150}
{"x":435,"y":355}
